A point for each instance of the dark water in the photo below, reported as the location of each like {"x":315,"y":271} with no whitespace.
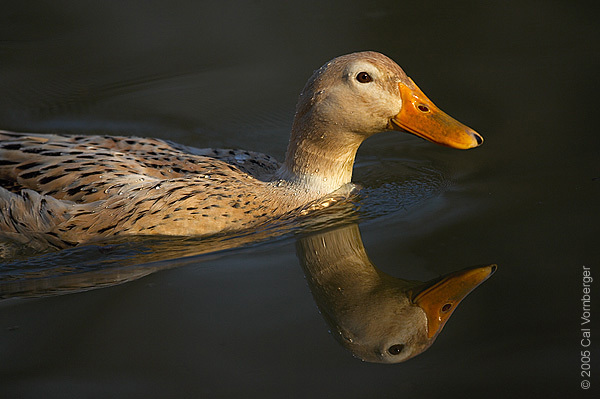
{"x":242,"y":322}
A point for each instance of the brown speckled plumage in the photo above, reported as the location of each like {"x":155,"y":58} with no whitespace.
{"x":61,"y":190}
{"x":75,"y":188}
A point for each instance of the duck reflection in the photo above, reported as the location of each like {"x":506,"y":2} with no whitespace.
{"x":379,"y":318}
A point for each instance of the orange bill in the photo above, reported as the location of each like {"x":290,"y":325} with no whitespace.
{"x":421,"y":117}
{"x":439,"y":297}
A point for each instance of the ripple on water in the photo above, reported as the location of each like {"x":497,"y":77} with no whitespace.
{"x":396,"y":185}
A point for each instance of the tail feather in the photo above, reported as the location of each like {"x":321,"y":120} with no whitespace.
{"x":31,"y":218}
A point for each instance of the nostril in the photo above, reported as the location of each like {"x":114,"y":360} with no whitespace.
{"x":423,"y":108}
{"x":478,"y":138}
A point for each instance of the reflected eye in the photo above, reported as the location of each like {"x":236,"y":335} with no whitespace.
{"x":364,"y":77}
{"x":395,"y":349}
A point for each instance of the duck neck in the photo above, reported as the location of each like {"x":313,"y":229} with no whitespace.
{"x":319,"y":159}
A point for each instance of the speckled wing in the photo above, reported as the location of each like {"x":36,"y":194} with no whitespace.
{"x":85,"y":168}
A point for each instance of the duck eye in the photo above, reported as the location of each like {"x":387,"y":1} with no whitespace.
{"x":395,"y":349}
{"x":364,"y":77}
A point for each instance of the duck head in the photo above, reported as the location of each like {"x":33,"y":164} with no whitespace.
{"x":351,"y":98}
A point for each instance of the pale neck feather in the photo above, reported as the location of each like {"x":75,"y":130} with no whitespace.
{"x":320,"y":156}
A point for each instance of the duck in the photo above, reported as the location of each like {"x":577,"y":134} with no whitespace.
{"x":61,"y":190}
{"x":379,"y":318}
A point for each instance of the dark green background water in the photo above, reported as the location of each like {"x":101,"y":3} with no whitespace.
{"x":243,"y":323}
